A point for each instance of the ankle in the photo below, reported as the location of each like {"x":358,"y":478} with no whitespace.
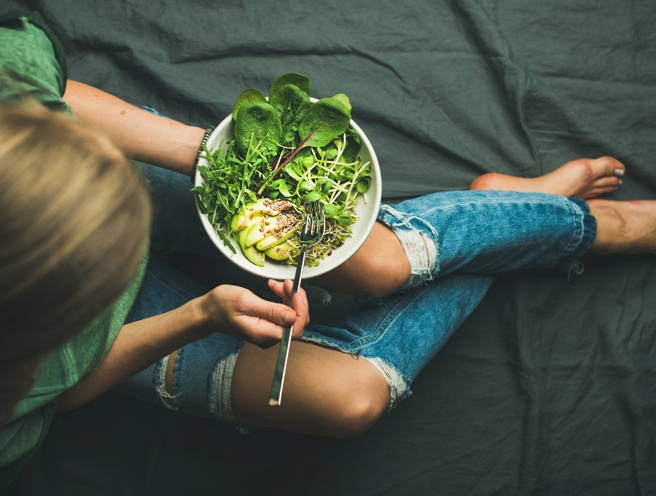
{"x":484,"y":182}
{"x":611,"y":228}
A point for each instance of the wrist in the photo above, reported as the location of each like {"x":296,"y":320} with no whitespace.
{"x":199,"y":153}
{"x":201,"y":321}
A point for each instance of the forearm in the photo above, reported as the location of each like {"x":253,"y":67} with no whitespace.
{"x":141,"y":135}
{"x":138,"y":345}
{"x":227,"y":309}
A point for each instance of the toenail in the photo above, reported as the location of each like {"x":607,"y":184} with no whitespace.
{"x":619,"y":172}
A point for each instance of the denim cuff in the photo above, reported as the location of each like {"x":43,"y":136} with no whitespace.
{"x":588,"y":235}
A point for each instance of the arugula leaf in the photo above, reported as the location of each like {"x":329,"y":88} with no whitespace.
{"x":225,"y":239}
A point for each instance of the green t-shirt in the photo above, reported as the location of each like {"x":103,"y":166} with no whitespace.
{"x":32,"y":62}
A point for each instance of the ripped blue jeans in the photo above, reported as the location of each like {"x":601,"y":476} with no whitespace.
{"x":456,"y":242}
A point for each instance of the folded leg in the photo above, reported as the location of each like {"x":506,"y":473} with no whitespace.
{"x":465,"y":232}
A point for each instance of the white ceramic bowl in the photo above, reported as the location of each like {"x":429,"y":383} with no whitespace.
{"x":366,"y":211}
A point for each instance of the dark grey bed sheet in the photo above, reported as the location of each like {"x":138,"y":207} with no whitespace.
{"x":549,"y":387}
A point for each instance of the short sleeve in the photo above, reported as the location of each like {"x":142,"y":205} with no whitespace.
{"x":20,"y":439}
{"x":32,"y":62}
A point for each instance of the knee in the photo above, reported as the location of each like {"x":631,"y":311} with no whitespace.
{"x":359,"y":413}
{"x":361,"y":401}
{"x":385,"y":275}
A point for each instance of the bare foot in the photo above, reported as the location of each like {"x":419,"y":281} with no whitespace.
{"x":584,"y":178}
{"x":624,"y":226}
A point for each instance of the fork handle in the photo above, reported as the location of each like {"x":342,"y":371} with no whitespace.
{"x":283,"y":353}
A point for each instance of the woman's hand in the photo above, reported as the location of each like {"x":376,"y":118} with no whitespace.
{"x":238,"y":312}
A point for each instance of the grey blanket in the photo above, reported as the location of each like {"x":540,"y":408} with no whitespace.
{"x":549,"y":388}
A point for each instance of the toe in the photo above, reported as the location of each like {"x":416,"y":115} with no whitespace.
{"x":609,"y":166}
{"x":607,"y":182}
{"x":599,"y":191}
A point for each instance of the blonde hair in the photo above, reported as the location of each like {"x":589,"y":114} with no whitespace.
{"x":74,"y":218}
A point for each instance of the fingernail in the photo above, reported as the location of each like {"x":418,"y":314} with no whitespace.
{"x":619,"y":172}
{"x":620,"y":182}
{"x":289,"y":317}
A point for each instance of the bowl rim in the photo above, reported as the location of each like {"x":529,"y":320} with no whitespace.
{"x":280,"y":272}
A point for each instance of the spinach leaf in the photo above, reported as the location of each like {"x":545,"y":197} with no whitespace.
{"x":323,"y":121}
{"x":249,"y":95}
{"x":291,"y":104}
{"x":299,"y":80}
{"x":345,"y":100}
{"x":257,"y":122}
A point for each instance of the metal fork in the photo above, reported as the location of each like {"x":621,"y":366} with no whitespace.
{"x":314,"y":227}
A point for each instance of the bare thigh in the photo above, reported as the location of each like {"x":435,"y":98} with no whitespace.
{"x":326,"y":392}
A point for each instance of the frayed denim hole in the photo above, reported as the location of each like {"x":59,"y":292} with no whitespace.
{"x":156,"y":380}
{"x":177,"y":373}
{"x":326,"y":296}
{"x":220,"y":386}
{"x":399,"y":386}
{"x":163,"y":397}
{"x":421,"y":247}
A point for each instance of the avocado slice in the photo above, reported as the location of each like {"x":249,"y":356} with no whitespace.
{"x":260,"y":230}
{"x":239,"y":222}
{"x":255,"y":256}
{"x":267,"y":206}
{"x":263,"y":206}
{"x":276,"y":238}
{"x":241,"y":238}
{"x":279,"y":252}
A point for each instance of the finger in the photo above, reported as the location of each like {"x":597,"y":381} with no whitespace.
{"x":276,"y":313}
{"x":259,"y":332}
{"x":289,"y":286}
{"x":277,"y":287}
{"x":302,"y":312}
{"x":307,"y":306}
{"x":280,"y":289}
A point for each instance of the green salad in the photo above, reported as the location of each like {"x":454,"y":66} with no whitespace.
{"x":287,"y":151}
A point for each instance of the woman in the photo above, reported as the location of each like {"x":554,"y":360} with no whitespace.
{"x":220,"y":370}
